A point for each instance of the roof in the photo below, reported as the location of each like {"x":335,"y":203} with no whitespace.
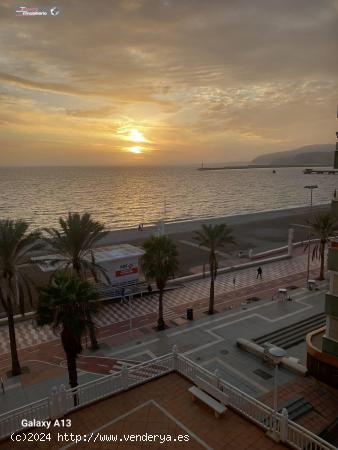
{"x":47,"y":263}
{"x":116,"y":252}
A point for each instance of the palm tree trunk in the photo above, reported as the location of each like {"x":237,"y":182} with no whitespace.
{"x":212,"y":289}
{"x":16,"y":369}
{"x":92,"y":335}
{"x":322,"y":260}
{"x":72,"y":375}
{"x":160,"y":322}
{"x":91,"y":327}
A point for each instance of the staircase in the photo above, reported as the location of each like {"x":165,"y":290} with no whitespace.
{"x":297,"y":407}
{"x":293,"y":334}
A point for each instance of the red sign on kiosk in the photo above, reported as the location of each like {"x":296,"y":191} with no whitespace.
{"x":126,"y":269}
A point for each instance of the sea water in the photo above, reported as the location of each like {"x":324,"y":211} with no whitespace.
{"x":123,"y":197}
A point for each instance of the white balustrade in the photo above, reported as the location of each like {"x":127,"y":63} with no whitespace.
{"x":10,"y":422}
{"x":63,"y":401}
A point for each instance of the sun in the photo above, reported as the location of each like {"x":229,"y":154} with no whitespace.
{"x":135,"y":135}
{"x":136,"y":150}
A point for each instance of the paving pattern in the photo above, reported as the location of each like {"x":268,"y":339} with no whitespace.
{"x":106,"y":365}
{"x":28,"y":334}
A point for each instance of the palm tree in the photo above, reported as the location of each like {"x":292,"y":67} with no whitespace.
{"x":65,"y":305}
{"x":74,"y":242}
{"x":213,"y":237}
{"x":323,"y":226}
{"x":159,"y":263}
{"x":15,"y":287}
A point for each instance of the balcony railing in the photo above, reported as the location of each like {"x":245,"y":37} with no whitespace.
{"x":62,"y":401}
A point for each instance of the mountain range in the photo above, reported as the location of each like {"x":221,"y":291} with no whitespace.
{"x":318,"y":154}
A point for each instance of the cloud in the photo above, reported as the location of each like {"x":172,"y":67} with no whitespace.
{"x":215,"y":71}
{"x":39,"y":86}
{"x":97,"y":113}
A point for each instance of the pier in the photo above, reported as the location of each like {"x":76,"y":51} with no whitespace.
{"x":321,"y":171}
{"x":261,"y":166}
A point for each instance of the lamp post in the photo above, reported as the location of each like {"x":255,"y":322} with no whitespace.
{"x":311,"y":187}
{"x":276,"y":354}
{"x":130,"y":298}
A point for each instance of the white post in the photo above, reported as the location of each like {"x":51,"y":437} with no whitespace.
{"x":284,"y":425}
{"x":130,"y":316}
{"x":276,"y":354}
{"x":175,"y":361}
{"x":124,"y":378}
{"x":250,"y":253}
{"x":62,"y":400}
{"x":54,"y":403}
{"x":290,"y":241}
{"x":275,"y":403}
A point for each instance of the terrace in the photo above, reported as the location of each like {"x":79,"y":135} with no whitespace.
{"x":153,"y":398}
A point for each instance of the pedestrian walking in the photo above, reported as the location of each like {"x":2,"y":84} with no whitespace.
{"x":234,"y":282}
{"x":259,"y":272}
{"x":150,"y":290}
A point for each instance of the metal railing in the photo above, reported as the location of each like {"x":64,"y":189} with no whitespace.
{"x":262,"y":415}
{"x":302,"y":439}
{"x":11,"y":422}
{"x":62,"y":401}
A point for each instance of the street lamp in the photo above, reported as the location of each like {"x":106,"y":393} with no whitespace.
{"x":311,"y":187}
{"x":276,"y":354}
{"x":129,"y":293}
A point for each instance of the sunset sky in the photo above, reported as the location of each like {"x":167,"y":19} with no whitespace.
{"x":166,"y":81}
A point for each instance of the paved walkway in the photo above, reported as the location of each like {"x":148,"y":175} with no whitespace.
{"x":141,"y":311}
{"x":210,"y":342}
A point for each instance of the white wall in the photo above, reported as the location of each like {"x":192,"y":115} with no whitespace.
{"x":122,"y":270}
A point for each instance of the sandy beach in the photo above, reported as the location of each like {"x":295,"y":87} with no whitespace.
{"x":246,"y":220}
{"x":260,"y":232}
{"x":263,"y":231}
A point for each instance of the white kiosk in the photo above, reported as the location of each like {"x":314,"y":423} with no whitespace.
{"x":120,"y":262}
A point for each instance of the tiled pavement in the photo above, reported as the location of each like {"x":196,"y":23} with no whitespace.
{"x":211,"y":342}
{"x":199,"y":289}
{"x":28,"y":334}
{"x":105,"y":365}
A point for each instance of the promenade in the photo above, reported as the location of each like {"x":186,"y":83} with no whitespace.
{"x":128,"y":339}
{"x":260,"y":231}
{"x":116,"y":318}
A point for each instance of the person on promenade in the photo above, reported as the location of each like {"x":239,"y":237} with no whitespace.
{"x":259,"y":272}
{"x":123,"y":298}
{"x":234,"y":282}
{"x":150,"y":291}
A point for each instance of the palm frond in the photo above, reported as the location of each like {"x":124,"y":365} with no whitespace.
{"x":75,"y":240}
{"x":160,"y":260}
{"x":214,"y":237}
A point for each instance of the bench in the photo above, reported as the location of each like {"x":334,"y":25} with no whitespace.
{"x":210,"y":395}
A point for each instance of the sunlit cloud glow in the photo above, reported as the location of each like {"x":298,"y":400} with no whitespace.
{"x":166,"y":82}
{"x":136,"y":150}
